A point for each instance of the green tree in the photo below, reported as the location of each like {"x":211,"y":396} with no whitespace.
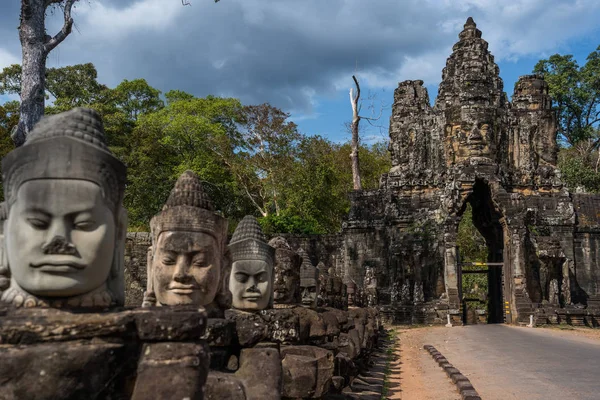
{"x":73,"y":86}
{"x":70,"y":86}
{"x":9,"y":118}
{"x":264,"y":145}
{"x":190,"y":134}
{"x":577,"y":171}
{"x":472,"y":247}
{"x":575,"y":92}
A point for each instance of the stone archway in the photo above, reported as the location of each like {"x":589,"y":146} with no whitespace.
{"x":488,"y":220}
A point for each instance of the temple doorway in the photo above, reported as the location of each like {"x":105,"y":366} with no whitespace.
{"x":480,"y":264}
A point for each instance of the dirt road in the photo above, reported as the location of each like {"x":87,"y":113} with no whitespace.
{"x":501,"y":361}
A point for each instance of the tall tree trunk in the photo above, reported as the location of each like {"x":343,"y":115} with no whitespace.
{"x":354,"y":128}
{"x":35,"y":46}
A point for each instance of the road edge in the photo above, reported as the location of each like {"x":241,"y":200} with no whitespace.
{"x":463,"y":384}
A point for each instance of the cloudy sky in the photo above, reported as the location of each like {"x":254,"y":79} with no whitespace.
{"x":300,"y":55}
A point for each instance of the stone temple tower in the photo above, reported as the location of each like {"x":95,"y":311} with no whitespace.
{"x":474,"y":146}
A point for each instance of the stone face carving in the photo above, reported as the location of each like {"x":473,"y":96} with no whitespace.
{"x":336,"y":289}
{"x":287,"y":273}
{"x":65,"y":227}
{"x":473,"y":146}
{"x":251,"y":280}
{"x":187,"y":263}
{"x":370,"y":286}
{"x":309,"y":281}
{"x":351,"y":289}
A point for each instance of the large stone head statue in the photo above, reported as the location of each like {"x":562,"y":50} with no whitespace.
{"x":309,"y":281}
{"x":351,"y":290}
{"x":286,"y":286}
{"x":65,"y":224}
{"x":251,"y":280}
{"x":187,"y":258}
{"x":473,"y":136}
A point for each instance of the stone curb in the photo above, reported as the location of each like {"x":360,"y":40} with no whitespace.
{"x":464,"y":386}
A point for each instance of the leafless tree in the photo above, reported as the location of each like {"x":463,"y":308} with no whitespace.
{"x":36,"y":45}
{"x":354,"y":129}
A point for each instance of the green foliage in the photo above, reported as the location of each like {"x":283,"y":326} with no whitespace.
{"x":578,"y":171}
{"x":472,"y":248}
{"x":469,"y":241}
{"x":9,"y":118}
{"x":10,"y":80}
{"x":186,"y":134}
{"x":576,"y":94}
{"x":251,"y":159}
{"x":286,"y":223}
{"x":73,"y":86}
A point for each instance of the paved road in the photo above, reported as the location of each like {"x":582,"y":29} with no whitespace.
{"x":507,"y":362}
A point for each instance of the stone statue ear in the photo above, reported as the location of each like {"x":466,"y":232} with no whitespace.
{"x":4,"y":268}
{"x":116,"y":278}
{"x":272,"y":294}
{"x":224,"y":297}
{"x":149,"y":295}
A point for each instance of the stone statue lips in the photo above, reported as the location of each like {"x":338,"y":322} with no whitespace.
{"x":183,"y":289}
{"x":252,"y":297}
{"x":279,"y":292}
{"x":58,"y":266}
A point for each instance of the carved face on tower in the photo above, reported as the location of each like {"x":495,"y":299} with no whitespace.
{"x":287,"y":273}
{"x":474,"y":136}
{"x":351,"y":289}
{"x":65,"y":228}
{"x":309,"y":281}
{"x":186,"y":264}
{"x":251,"y":281}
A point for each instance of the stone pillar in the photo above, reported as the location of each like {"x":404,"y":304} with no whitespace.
{"x":515,"y":259}
{"x":451,"y":269}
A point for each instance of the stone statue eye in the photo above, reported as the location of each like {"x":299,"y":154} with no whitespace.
{"x":85,"y":225}
{"x":199,"y":260}
{"x":38,"y":223}
{"x":241,"y":277}
{"x":168,"y":260}
{"x":261,"y":277}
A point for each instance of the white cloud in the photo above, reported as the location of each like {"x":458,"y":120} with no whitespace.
{"x":290,"y":52}
{"x":112,"y":22}
{"x":7,"y":58}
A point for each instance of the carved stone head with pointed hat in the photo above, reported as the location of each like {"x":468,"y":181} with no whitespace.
{"x":251,"y":280}
{"x":186,"y":263}
{"x":65,"y":226}
{"x":286,"y":286}
{"x":309,"y":281}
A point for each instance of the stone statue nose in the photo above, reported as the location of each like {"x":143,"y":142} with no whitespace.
{"x":181,"y":272}
{"x":60,"y":245}
{"x":475,"y":135}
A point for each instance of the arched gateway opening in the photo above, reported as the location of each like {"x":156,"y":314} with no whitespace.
{"x":480,"y":260}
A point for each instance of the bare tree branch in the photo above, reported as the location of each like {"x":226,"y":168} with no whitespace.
{"x":357,"y":185}
{"x":66,"y":29}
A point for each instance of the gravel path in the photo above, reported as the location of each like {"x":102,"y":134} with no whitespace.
{"x":415,"y":376}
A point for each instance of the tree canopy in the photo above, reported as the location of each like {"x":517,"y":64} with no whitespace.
{"x":252,"y":159}
{"x":575,"y":91}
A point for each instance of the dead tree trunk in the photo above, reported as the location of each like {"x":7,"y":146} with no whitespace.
{"x":36,"y":45}
{"x":354,"y":128}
